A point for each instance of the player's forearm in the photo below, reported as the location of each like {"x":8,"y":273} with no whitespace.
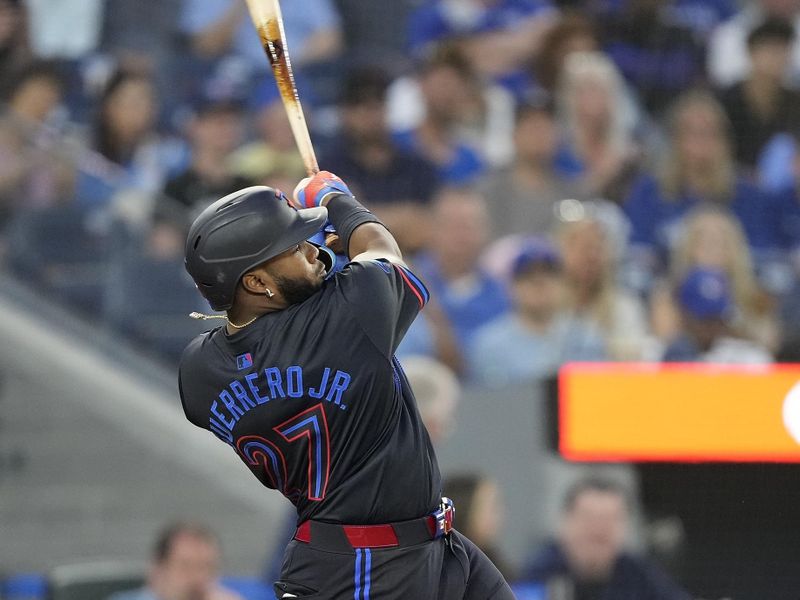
{"x":362,"y":233}
{"x":373,"y":240}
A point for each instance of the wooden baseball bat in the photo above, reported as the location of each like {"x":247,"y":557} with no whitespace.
{"x":266,"y":15}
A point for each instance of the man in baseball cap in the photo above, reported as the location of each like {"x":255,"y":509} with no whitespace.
{"x":708,"y":311}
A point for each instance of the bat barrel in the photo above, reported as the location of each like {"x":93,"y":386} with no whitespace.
{"x":266,"y":15}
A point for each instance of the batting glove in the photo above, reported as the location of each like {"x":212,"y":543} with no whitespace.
{"x":312,"y":191}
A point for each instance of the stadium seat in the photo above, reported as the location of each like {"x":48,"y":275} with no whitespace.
{"x":94,"y":581}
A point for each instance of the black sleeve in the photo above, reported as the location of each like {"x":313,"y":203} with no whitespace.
{"x":186,"y":371}
{"x":384,"y":298}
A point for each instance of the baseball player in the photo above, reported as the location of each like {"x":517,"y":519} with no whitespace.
{"x":302,"y":383}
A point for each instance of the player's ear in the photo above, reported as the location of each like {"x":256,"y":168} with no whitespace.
{"x":255,"y":281}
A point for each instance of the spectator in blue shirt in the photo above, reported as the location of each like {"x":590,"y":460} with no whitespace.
{"x":469,"y":296}
{"x":588,"y":560}
{"x":450,"y":90}
{"x":698,"y":169}
{"x":539,"y":335}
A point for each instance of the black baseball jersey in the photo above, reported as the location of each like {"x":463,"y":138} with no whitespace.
{"x":312,"y":399}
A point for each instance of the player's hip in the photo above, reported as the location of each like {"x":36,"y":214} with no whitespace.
{"x":362,"y":573}
{"x":446,"y":568}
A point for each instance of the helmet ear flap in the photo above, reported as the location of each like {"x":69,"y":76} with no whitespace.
{"x":327,"y":258}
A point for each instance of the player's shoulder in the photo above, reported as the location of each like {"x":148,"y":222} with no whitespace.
{"x":196,"y":349}
{"x":378,"y":270}
{"x":379,"y":278}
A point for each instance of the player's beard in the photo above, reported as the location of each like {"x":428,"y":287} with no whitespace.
{"x":297,"y":291}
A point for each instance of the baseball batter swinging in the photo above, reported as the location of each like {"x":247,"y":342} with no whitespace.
{"x":302,"y":383}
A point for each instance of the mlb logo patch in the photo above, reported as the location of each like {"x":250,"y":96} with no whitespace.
{"x":244,"y":361}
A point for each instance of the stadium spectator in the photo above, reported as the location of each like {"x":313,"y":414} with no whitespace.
{"x":714,"y":239}
{"x":523,"y":196}
{"x":587,"y":560}
{"x":468,"y":295}
{"x":591,"y":289}
{"x":761,"y":105}
{"x":36,"y":169}
{"x":481,"y":513}
{"x":272,"y":158}
{"x":216,"y":130}
{"x":697,"y":169}
{"x":728,"y":62}
{"x":533,"y":340}
{"x":14,"y":47}
{"x":185,"y":566}
{"x":451,"y":92}
{"x":395,"y":184}
{"x":437,"y":391}
{"x":707,"y":318}
{"x":598,"y":120}
{"x":572,"y":32}
{"x":498,"y":37}
{"x":486,"y":113}
{"x":657,"y":56}
{"x":125,"y":133}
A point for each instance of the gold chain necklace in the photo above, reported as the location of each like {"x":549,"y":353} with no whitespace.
{"x":203,"y":317}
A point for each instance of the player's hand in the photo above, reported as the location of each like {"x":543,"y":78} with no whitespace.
{"x":313,"y":191}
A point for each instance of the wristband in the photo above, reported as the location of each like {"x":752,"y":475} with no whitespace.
{"x":346,"y":213}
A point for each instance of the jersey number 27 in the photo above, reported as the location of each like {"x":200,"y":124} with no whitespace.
{"x":307,"y":430}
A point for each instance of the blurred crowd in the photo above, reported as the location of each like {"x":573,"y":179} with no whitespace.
{"x":598,"y":180}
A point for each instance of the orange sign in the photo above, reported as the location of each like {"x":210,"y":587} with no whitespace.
{"x":679,"y":412}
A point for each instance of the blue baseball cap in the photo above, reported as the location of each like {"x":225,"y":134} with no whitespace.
{"x":535,"y":252}
{"x":705,"y":293}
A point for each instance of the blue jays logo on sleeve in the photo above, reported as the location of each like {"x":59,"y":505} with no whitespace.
{"x":244,"y":361}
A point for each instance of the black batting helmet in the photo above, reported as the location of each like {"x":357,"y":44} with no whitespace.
{"x":241,"y":231}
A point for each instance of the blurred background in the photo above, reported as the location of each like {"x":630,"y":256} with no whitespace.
{"x":597,"y":180}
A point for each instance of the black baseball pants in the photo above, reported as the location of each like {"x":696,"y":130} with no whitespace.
{"x":453,"y":569}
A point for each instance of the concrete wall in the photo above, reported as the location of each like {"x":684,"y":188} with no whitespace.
{"x":96,"y":455}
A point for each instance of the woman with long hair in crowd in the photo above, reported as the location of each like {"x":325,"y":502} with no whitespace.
{"x":698,"y":169}
{"x":598,"y":120}
{"x":714,"y":239}
{"x":591,"y":289}
{"x":572,"y":32}
{"x":125,"y":133}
